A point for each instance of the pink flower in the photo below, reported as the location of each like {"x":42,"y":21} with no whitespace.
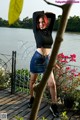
{"x":68,"y":68}
{"x":66,"y":57}
{"x":73,"y":57}
{"x":73,"y":70}
{"x":61,"y":55}
{"x":65,"y":61}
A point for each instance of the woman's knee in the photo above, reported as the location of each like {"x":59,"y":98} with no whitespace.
{"x":33,"y":79}
{"x":51,"y":82}
{"x":32,"y":82}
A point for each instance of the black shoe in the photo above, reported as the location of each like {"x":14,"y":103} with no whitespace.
{"x":31,"y":102}
{"x":53,"y":109}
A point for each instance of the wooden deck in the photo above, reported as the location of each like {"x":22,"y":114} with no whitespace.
{"x":17,"y":105}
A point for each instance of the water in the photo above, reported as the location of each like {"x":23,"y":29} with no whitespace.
{"x":22,"y":41}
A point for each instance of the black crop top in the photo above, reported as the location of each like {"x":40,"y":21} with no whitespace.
{"x":43,"y":37}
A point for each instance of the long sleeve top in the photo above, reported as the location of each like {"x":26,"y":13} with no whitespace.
{"x":43,"y":37}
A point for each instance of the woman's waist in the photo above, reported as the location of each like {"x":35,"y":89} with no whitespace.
{"x":44,"y":51}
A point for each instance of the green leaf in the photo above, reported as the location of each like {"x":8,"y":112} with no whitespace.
{"x":15,"y":9}
{"x":78,"y":88}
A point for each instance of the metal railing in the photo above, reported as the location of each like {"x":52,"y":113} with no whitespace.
{"x":5,"y":72}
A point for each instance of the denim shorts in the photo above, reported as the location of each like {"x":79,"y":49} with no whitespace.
{"x":38,"y":63}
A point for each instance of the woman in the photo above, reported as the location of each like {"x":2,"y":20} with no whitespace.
{"x":42,"y":28}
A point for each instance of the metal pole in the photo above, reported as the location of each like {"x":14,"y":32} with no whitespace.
{"x":13,"y":75}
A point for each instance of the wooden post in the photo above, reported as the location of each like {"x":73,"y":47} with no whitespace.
{"x":13,"y":75}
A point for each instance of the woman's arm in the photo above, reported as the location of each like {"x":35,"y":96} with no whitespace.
{"x":52,"y":18}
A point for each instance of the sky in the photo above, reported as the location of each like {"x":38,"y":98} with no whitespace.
{"x":29,"y":6}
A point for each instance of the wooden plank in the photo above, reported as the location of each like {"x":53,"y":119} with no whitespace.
{"x":18,"y":110}
{"x":9,"y":106}
{"x":4,"y":93}
{"x":43,"y":105}
{"x":12,"y":99}
{"x":17,"y":104}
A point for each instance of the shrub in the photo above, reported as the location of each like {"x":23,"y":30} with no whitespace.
{"x":67,"y":76}
{"x":4,"y":78}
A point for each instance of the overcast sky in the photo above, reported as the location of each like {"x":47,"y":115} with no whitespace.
{"x":30,"y":6}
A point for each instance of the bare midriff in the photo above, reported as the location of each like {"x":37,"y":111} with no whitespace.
{"x":44,"y":51}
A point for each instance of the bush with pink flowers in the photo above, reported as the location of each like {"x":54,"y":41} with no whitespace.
{"x":67,"y":76}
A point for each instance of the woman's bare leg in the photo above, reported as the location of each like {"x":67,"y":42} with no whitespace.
{"x":52,"y":87}
{"x":53,"y":92}
{"x":32,"y":82}
{"x":33,"y":78}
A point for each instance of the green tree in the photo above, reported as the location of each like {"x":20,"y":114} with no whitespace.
{"x":73,"y":24}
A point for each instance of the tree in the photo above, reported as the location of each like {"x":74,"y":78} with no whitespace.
{"x":73,"y":24}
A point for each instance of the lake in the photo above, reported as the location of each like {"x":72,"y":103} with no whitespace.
{"x":22,"y":41}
